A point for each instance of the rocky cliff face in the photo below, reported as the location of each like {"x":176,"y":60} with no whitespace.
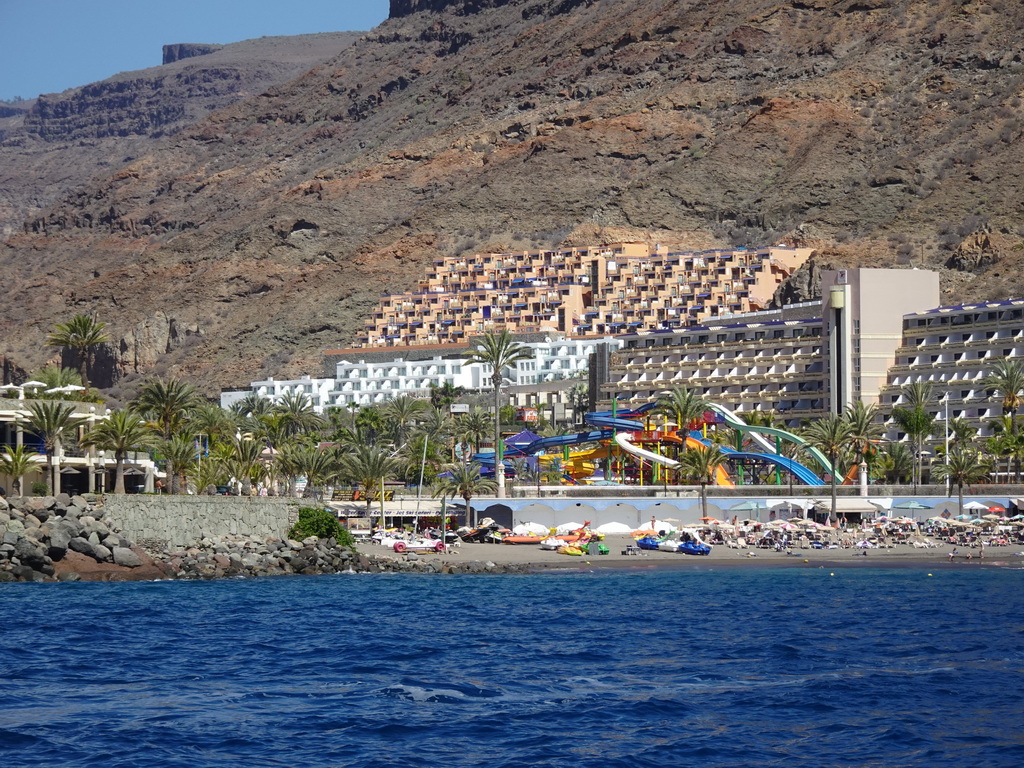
{"x":888,"y":130}
{"x":56,"y":143}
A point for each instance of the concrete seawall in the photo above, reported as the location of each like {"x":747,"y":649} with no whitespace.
{"x":181,"y":521}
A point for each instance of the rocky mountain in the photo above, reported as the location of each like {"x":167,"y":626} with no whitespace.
{"x":58,"y":142}
{"x":882,"y":132}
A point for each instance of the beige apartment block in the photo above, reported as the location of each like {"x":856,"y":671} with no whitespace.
{"x":953,"y":351}
{"x":802,"y":361}
{"x":590,"y":291}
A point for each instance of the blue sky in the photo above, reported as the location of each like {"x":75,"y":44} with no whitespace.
{"x":47,"y":46}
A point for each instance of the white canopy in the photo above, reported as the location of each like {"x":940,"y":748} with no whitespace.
{"x":525,"y":529}
{"x":568,"y":527}
{"x":613,"y":528}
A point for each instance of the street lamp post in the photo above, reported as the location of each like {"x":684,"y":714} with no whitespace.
{"x":103,"y":471}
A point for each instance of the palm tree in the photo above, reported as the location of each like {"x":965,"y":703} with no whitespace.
{"x":55,"y":377}
{"x":52,"y":421}
{"x":499,"y":351}
{"x":252,"y":404}
{"x":830,"y":436}
{"x":895,"y":463}
{"x":167,"y":404}
{"x":1007,"y":380}
{"x":700,"y":466}
{"x":465,"y":481}
{"x":368,"y":466}
{"x":320,"y":466}
{"x":963,"y":466}
{"x":865,"y":430}
{"x":444,"y":395}
{"x":210,"y":420}
{"x":403,"y":411}
{"x":121,"y":432}
{"x":16,"y":462}
{"x":81,"y":334}
{"x":299,"y":417}
{"x":472,"y":428}
{"x":915,"y":420}
{"x":180,"y":453}
{"x":245,"y":463}
{"x":683,"y":406}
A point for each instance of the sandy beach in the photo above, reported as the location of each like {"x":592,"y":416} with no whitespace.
{"x":900,"y":555}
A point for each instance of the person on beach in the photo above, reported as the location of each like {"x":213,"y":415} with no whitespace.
{"x":952,"y":554}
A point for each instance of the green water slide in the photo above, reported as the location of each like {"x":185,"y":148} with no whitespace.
{"x":756,"y":433}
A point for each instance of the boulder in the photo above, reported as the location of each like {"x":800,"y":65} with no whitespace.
{"x":36,"y":503}
{"x":60,"y":537}
{"x":30,"y":553}
{"x":78,"y":544}
{"x":127,"y":558}
{"x":102,"y":554}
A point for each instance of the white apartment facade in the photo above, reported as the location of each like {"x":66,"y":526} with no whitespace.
{"x":366,"y":377}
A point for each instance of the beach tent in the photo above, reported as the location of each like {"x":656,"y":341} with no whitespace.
{"x":522,"y":439}
{"x":569,"y":527}
{"x":525,"y":529}
{"x":613,"y":528}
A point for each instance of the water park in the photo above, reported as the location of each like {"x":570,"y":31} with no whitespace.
{"x":639,"y":447}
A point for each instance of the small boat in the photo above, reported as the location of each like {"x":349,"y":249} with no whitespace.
{"x":524,"y":539}
{"x":648,"y":542}
{"x":694,"y":548}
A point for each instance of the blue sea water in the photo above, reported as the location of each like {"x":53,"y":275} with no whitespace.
{"x":730,"y":667}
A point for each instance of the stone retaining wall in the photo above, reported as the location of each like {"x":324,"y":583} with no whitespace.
{"x":183,"y":521}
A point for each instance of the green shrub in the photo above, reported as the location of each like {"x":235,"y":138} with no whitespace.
{"x":322,"y":523}
{"x":40,"y":488}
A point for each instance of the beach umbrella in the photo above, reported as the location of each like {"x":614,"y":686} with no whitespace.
{"x":976,"y":505}
{"x":996,"y":508}
{"x":34,"y":384}
{"x":911,"y":504}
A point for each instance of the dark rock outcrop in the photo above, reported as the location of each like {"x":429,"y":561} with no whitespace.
{"x":179,"y":51}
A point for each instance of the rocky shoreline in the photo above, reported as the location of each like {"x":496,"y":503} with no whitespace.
{"x":64,"y":538}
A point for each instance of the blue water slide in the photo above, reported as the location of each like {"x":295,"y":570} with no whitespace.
{"x":608,"y":422}
{"x":798,"y":470}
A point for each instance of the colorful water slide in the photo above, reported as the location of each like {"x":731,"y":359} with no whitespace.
{"x":755,"y":432}
{"x":721,"y":476}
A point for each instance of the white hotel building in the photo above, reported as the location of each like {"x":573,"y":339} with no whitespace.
{"x":367,"y":377}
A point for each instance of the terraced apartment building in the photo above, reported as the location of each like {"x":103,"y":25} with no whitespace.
{"x":589,"y":291}
{"x":953,"y":350}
